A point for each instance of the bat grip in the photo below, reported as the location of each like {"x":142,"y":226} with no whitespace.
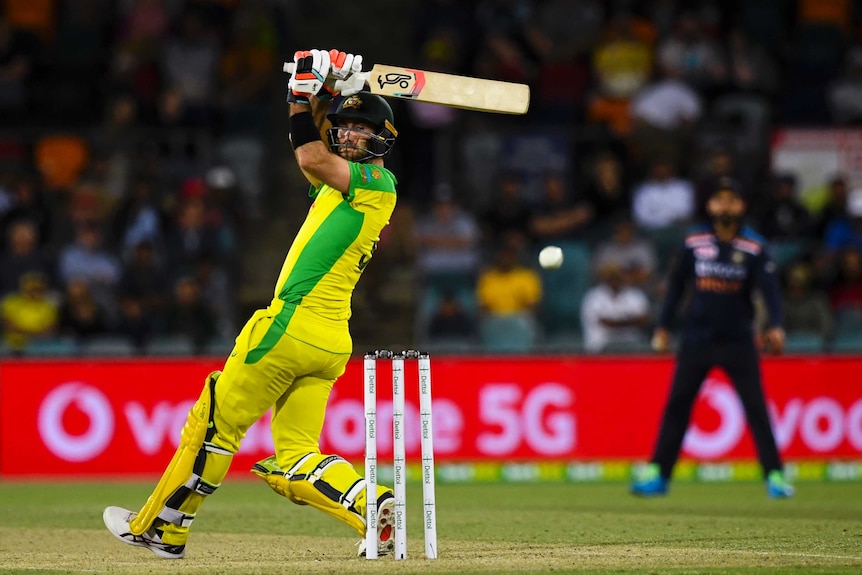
{"x":288,"y":67}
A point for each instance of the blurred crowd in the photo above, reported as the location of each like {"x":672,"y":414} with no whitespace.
{"x":133,"y":148}
{"x":132,"y":143}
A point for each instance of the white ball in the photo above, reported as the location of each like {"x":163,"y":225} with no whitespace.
{"x":551,"y":257}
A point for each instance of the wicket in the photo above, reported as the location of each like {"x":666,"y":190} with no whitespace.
{"x":429,"y":519}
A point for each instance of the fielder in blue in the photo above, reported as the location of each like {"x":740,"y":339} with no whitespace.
{"x":722,"y":263}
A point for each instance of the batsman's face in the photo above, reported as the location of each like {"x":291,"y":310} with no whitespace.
{"x":353,"y":136}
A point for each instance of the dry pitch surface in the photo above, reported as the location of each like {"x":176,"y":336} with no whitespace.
{"x":245,"y":529}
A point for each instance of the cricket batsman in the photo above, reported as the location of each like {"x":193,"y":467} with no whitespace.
{"x":288,"y":356}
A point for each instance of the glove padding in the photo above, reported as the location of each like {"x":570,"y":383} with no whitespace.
{"x":311,"y":67}
{"x":347,"y":71}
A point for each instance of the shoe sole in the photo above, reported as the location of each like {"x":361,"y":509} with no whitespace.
{"x":137,"y":540}
{"x":385,"y":527}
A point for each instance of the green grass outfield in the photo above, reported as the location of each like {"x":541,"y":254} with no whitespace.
{"x":490,"y":528}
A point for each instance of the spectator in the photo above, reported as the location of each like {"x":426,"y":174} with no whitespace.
{"x":835,"y":207}
{"x":622,"y":64}
{"x":607,"y":191}
{"x":87,"y":260}
{"x":692,"y":56}
{"x":805,"y":310}
{"x":23,"y":255}
{"x":189,"y":67}
{"x":845,"y":93}
{"x":783,"y":216}
{"x":187,"y":314}
{"x":138,"y":219}
{"x":144,"y":280}
{"x":507,"y":287}
{"x":663,"y":200}
{"x":80,"y":315}
{"x":562,"y":33}
{"x":18,"y":50}
{"x":664,"y":114}
{"x":750,"y":68}
{"x":509,"y":213}
{"x":847,"y":231}
{"x":634,"y":256}
{"x":613,"y":311}
{"x":448,"y":242}
{"x":194,"y":237}
{"x":559,"y":217}
{"x":450,"y":320}
{"x":246,"y":69}
{"x":28,"y":314}
{"x":28,"y":203}
{"x":846,"y":290}
{"x":507,"y":51}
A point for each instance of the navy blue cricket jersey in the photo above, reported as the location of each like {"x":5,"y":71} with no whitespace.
{"x":722,"y":276}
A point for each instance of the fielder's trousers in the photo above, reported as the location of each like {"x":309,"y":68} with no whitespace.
{"x":741,"y":363}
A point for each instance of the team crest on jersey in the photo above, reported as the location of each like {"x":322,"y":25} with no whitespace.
{"x":738,"y":257}
{"x":706,"y":252}
{"x":375,"y":173}
{"x":353,"y":101}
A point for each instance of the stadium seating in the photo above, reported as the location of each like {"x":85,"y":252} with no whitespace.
{"x":171,"y":346}
{"x":107,"y":346}
{"x":564,"y":288}
{"x":515,"y":333}
{"x":61,"y":346}
{"x":804,"y":343}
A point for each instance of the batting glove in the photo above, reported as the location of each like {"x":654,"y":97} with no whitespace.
{"x":347,"y":69}
{"x":311,"y":68}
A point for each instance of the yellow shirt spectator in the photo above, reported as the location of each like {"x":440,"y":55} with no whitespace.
{"x":507,"y":287}
{"x":28,"y":313}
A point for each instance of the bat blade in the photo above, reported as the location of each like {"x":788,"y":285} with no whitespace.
{"x":445,"y":89}
{"x":449,"y":90}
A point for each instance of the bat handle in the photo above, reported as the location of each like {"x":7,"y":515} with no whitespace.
{"x":288,"y":67}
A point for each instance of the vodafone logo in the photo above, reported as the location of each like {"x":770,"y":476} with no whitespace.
{"x":822,"y":424}
{"x":722,"y":398}
{"x":92,"y":403}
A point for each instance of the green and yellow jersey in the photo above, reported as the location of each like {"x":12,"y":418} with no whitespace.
{"x":336,"y":241}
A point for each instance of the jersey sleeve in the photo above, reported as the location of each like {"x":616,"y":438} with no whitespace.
{"x":767,"y":281}
{"x":368,"y":180}
{"x":677,"y":278}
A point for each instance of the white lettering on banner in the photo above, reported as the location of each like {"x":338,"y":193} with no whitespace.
{"x":724,"y":400}
{"x":822,"y":423}
{"x":163,"y":424}
{"x":448,"y":426}
{"x":345,"y":426}
{"x":499,"y":407}
{"x":828,"y":411}
{"x":94,"y":404}
{"x":560,"y":434}
{"x":854,"y":425}
{"x":784,"y":426}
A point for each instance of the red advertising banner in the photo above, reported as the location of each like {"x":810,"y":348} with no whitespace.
{"x":83,"y":418}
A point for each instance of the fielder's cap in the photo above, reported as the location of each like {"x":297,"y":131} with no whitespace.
{"x":726,"y":183}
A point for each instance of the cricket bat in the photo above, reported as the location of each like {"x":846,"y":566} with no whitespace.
{"x":445,"y":89}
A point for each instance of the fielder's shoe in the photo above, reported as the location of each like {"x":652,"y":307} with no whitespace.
{"x":117,"y":521}
{"x":649,"y":482}
{"x":777,"y":486}
{"x":385,"y":526}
